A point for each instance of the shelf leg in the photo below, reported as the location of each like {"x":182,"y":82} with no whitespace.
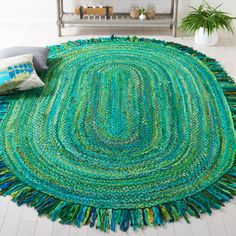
{"x":172,"y":8}
{"x":175,"y":19}
{"x":174,"y":31}
{"x":62,"y":12}
{"x":61,"y":7}
{"x":59,"y":22}
{"x":59,"y":30}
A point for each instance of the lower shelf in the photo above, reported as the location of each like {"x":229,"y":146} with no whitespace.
{"x":117,"y":19}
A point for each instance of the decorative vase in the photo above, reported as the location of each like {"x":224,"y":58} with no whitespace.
{"x":142,"y":17}
{"x":202,"y":38}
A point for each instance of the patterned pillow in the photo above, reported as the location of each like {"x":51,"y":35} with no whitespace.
{"x":18,"y":73}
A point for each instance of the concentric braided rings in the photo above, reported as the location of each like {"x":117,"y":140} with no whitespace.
{"x":121,"y":124}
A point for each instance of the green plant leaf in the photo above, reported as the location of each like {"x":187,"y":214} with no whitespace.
{"x":208,"y":17}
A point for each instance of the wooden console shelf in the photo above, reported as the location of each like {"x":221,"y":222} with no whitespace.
{"x":117,"y":19}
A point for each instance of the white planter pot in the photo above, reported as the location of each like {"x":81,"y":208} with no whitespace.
{"x":142,"y":17}
{"x":202,"y":38}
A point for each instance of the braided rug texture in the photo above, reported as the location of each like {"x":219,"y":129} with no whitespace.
{"x":127,"y":131}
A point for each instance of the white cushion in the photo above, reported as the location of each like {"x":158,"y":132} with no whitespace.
{"x":18,"y":73}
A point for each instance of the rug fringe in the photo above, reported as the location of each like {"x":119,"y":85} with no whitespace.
{"x":213,"y":197}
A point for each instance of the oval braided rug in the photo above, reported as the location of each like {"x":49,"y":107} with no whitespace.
{"x":126,"y":131}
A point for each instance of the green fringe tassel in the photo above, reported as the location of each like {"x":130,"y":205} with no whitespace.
{"x":213,"y":197}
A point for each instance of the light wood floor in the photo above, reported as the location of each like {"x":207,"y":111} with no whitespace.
{"x":23,"y":221}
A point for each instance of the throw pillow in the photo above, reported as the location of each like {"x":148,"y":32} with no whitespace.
{"x":40,"y":55}
{"x":18,"y":73}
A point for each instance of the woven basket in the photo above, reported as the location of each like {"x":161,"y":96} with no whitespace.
{"x":134,"y":14}
{"x":151,"y":14}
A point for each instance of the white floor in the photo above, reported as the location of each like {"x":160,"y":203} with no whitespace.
{"x":23,"y":221}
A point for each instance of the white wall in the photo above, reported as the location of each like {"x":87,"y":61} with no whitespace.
{"x":45,"y":10}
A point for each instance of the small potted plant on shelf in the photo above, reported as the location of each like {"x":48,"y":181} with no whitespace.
{"x":142,"y":14}
{"x":205,"y":21}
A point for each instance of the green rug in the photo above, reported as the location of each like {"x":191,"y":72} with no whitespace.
{"x":126,"y":132}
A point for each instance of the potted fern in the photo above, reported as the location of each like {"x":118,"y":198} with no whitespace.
{"x":142,"y":14}
{"x":205,"y":22}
